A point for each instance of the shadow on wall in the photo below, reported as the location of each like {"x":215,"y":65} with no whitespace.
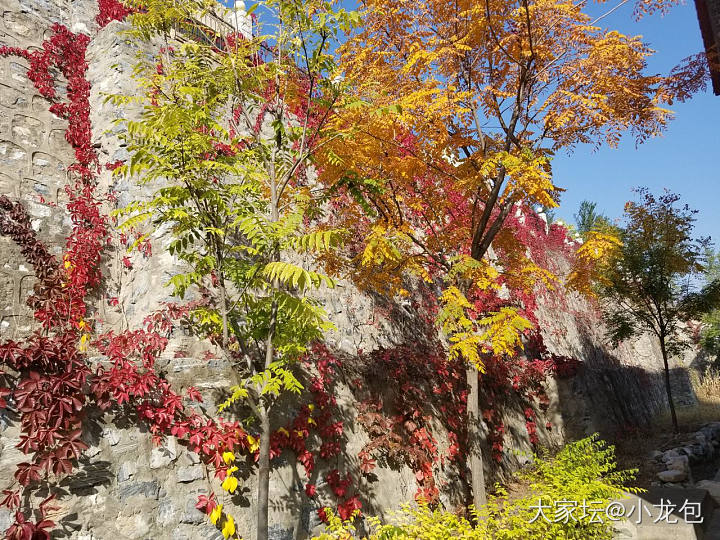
{"x":608,"y":397}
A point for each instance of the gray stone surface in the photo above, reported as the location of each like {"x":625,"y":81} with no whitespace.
{"x":166,"y":513}
{"x":6,"y":519}
{"x":672,"y":475}
{"x":191,"y":514}
{"x":150,"y":489}
{"x":712,"y":487}
{"x":126,"y":471}
{"x":163,"y":456}
{"x":680,"y":463}
{"x":190,"y":474}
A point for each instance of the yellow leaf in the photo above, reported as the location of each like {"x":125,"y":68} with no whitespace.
{"x":215,"y":514}
{"x":83,"y":342}
{"x":254,"y":443}
{"x":228,"y":457}
{"x":229,"y":528}
{"x":230,"y":484}
{"x":503,"y":330}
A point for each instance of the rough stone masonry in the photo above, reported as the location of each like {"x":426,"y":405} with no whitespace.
{"x":126,"y":488}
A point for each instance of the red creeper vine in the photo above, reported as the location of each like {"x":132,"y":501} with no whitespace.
{"x":45,"y":377}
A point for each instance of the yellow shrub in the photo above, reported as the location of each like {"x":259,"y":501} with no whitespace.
{"x":582,"y":477}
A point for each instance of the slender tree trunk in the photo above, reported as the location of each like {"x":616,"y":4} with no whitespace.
{"x":475,"y":462}
{"x":223,"y":311}
{"x":668,"y":389}
{"x":263,"y":476}
{"x":264,"y":457}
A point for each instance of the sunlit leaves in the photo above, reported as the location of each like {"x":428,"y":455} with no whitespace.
{"x":322,"y":240}
{"x":230,"y":483}
{"x":471,"y":334}
{"x":216,"y":514}
{"x":591,"y":261}
{"x":502,"y":331}
{"x":294,"y":276}
{"x":468,"y":103}
{"x":228,"y":529}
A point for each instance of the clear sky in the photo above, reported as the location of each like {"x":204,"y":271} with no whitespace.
{"x":686,"y":159}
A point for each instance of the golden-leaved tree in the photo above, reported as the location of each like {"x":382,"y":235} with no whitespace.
{"x":466,"y":102}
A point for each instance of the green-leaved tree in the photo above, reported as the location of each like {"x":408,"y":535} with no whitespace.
{"x":229,"y":127}
{"x":710,"y":332}
{"x":588,"y":219}
{"x":651,"y":283}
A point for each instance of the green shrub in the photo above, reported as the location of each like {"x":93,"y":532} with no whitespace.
{"x":582,"y":472}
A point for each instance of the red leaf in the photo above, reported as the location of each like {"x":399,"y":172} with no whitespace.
{"x":194,"y":395}
{"x":310,"y":490}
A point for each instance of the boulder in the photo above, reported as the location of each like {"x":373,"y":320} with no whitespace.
{"x":680,"y":463}
{"x":672,"y":475}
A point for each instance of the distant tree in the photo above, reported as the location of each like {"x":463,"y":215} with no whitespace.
{"x":652,"y":282}
{"x":588,"y":219}
{"x":710,"y":333}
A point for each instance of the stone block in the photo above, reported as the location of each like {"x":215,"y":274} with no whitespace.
{"x":6,"y":519}
{"x":163,"y":456}
{"x":166,"y":512}
{"x":190,"y":474}
{"x":135,"y":527}
{"x":28,"y":131}
{"x":672,"y":475}
{"x":126,"y":471}
{"x":111,"y":436}
{"x":712,"y":487}
{"x":680,"y":463}
{"x":11,"y":153}
{"x":149,"y":489}
{"x":191,"y":514}
{"x":277,"y":532}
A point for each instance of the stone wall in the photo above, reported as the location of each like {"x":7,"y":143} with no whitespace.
{"x":33,"y":151}
{"x":125,"y":487}
{"x":616,"y":388}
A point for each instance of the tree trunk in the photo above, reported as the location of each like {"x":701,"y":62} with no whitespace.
{"x":263,"y":476}
{"x":223,"y":311}
{"x":264,"y":457}
{"x":668,"y":389}
{"x":475,"y":462}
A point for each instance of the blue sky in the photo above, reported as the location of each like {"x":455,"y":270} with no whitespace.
{"x":686,"y":159}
